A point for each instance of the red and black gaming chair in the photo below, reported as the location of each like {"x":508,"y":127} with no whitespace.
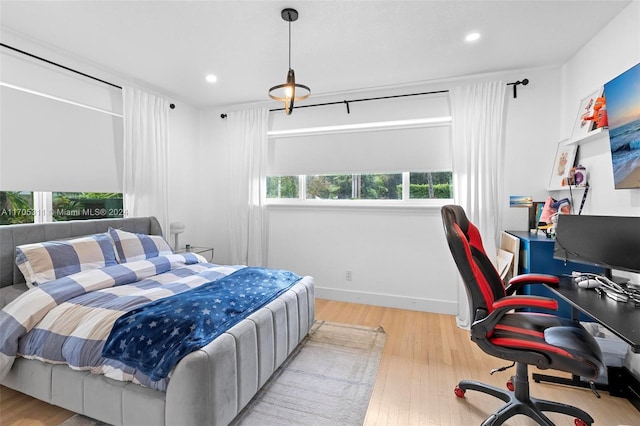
{"x":526,"y":338}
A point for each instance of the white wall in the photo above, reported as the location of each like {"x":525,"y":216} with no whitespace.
{"x":213,"y":222}
{"x":187,"y":177}
{"x":614,"y":50}
{"x":329,"y":241}
{"x":398,"y":255}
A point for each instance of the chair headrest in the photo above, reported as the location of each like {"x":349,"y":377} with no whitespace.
{"x":455,"y":214}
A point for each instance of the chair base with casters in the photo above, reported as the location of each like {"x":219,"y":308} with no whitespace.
{"x":519,"y":401}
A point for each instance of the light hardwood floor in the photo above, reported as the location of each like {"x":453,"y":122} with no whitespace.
{"x":425,"y":356}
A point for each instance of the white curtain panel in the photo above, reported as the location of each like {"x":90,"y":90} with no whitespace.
{"x":247,"y":188}
{"x":145,"y":149}
{"x":478,"y":164}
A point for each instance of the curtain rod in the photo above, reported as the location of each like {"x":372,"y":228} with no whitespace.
{"x":31,"y":55}
{"x":515,"y":84}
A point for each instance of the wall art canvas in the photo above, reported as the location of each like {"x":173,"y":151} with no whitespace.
{"x":520,"y":201}
{"x":623,"y":111}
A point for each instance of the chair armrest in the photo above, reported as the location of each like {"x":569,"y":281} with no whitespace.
{"x":501,"y":306}
{"x":483,"y":328}
{"x":518,"y":281}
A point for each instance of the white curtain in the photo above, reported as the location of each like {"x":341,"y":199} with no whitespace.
{"x":478,"y":164}
{"x":145,"y":149}
{"x":247,"y":188}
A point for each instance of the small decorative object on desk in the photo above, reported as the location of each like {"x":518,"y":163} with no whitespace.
{"x":187,"y":248}
{"x":549,"y":217}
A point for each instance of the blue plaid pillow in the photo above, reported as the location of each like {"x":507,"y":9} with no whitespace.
{"x":42,"y":262}
{"x":131,"y":246}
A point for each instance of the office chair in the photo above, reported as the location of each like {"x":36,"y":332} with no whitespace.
{"x":525,"y":338}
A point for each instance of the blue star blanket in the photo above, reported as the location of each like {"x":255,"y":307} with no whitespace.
{"x":153,"y":338}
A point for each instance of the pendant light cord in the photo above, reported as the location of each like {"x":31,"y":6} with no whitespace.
{"x":289,"y":40}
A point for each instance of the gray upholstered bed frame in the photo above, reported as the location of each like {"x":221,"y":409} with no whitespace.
{"x":208,"y":387}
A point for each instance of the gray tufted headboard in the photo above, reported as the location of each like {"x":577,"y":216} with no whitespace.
{"x":15,"y":235}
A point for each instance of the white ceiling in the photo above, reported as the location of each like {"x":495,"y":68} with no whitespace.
{"x":336,"y":45}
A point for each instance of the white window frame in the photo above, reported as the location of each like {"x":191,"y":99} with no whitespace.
{"x":42,"y":207}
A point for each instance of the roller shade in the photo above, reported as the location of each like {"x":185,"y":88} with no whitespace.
{"x":424,"y":147}
{"x":385,"y":151}
{"x":50,"y":145}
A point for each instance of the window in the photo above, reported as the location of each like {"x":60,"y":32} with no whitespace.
{"x":30,"y":207}
{"x":16,"y":207}
{"x":429,"y":185}
{"x":283,"y":186}
{"x":86,"y":205}
{"x":375,"y":186}
{"x":381,"y":186}
{"x":393,"y":152}
{"x":75,"y":126}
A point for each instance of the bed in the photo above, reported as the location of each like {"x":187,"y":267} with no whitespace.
{"x":209,"y":386}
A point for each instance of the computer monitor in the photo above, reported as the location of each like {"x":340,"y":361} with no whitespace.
{"x":611,"y":242}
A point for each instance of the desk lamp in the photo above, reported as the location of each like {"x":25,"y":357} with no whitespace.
{"x":176,"y":228}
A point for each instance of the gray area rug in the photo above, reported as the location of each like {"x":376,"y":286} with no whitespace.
{"x":327,"y":380}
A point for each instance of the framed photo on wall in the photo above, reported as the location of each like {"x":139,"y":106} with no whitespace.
{"x":585,"y":122}
{"x":562,"y":164}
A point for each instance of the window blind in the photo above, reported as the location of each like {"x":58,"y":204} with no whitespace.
{"x":50,"y":145}
{"x":385,"y":151}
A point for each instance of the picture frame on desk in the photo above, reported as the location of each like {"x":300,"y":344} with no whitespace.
{"x":562,"y":164}
{"x":510,"y":244}
{"x":535,"y":211}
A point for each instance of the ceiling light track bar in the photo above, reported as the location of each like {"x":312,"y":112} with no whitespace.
{"x":31,"y":55}
{"x":524,"y":82}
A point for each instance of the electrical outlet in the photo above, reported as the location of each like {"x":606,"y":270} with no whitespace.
{"x":349,"y":276}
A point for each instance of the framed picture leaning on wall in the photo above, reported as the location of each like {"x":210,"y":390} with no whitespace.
{"x":562,"y":164}
{"x":586,"y":121}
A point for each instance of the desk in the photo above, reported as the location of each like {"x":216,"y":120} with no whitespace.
{"x":623,"y":319}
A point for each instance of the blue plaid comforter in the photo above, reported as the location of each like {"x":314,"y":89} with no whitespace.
{"x":69,"y":319}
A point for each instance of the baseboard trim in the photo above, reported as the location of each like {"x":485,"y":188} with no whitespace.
{"x":389,"y":301}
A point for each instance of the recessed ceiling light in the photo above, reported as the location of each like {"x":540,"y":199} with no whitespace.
{"x":211,"y":78}
{"x":472,"y":37}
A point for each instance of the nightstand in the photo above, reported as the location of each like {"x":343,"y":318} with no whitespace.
{"x":207,"y":252}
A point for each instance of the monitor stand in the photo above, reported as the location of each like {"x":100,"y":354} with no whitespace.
{"x":615,"y":279}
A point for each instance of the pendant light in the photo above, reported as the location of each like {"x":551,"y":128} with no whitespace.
{"x":289,"y":92}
